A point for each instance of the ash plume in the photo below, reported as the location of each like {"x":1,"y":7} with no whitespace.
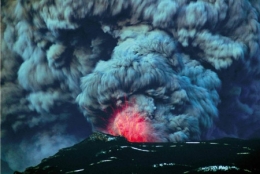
{"x":190,"y":69}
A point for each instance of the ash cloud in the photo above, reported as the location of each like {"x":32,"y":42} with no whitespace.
{"x":191,"y":68}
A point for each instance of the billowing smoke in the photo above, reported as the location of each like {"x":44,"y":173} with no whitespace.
{"x":151,"y":70}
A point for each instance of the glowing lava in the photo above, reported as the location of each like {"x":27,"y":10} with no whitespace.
{"x":132,"y":125}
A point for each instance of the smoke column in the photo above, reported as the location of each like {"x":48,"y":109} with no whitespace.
{"x":151,"y":70}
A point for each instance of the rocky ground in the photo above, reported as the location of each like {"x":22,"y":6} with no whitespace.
{"x":101,"y":153}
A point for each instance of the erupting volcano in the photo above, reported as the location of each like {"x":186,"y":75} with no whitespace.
{"x":131,"y":124}
{"x":189,"y":69}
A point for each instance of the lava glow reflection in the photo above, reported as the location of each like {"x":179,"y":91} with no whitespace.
{"x":132,"y":125}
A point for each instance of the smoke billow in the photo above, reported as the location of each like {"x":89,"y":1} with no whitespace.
{"x":159,"y":70}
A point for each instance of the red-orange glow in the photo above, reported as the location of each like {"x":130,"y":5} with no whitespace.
{"x":131,"y":125}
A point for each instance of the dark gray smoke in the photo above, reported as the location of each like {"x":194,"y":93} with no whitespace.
{"x":190,"y":68}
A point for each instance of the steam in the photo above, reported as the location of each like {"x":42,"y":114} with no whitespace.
{"x":190,"y":68}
